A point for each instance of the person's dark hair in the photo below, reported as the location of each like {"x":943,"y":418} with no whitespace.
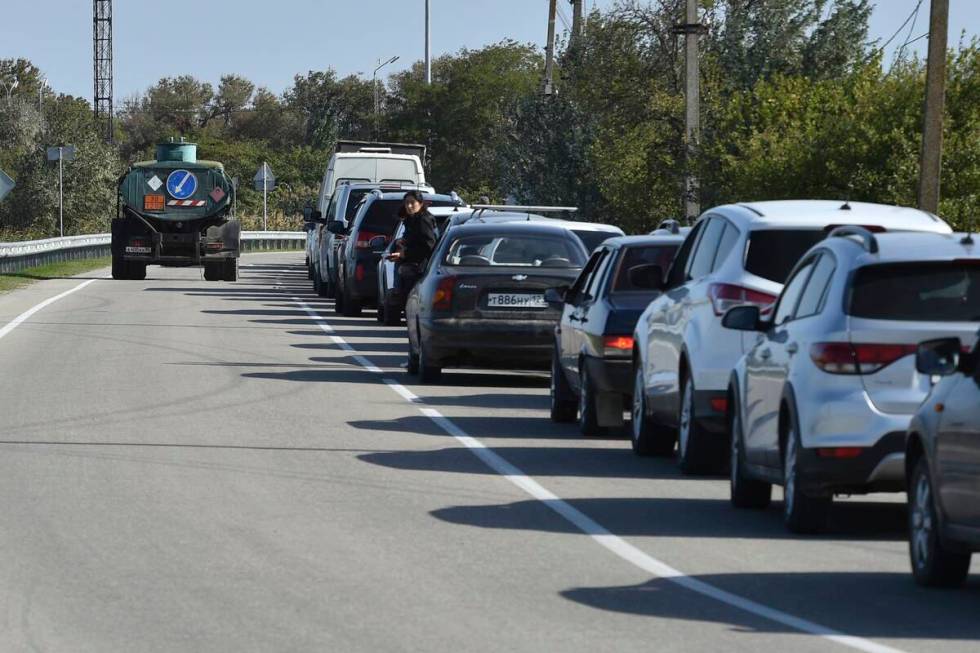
{"x":414,"y":194}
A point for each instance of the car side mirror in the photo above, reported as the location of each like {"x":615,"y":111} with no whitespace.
{"x":649,"y":276}
{"x":378,"y":243}
{"x":938,"y":357}
{"x":307,"y":213}
{"x":743,"y":318}
{"x":555,"y":296}
{"x":317,"y":217}
{"x":336,"y":227}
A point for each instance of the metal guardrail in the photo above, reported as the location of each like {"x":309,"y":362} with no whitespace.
{"x":32,"y":253}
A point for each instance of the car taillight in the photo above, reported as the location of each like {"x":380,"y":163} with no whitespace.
{"x":617,"y":345}
{"x":359,"y":272}
{"x":725,"y":296}
{"x":364,"y":239}
{"x":862,"y":358}
{"x":443,"y":298}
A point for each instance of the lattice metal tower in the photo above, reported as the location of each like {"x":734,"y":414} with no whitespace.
{"x":102,"y":61}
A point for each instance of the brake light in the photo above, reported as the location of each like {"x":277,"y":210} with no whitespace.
{"x":364,"y":239}
{"x":443,"y":298}
{"x":725,"y":296}
{"x":137,"y":242}
{"x":359,"y":272}
{"x":839,"y":452}
{"x":862,"y":358}
{"x":153,"y":202}
{"x":617,"y":345}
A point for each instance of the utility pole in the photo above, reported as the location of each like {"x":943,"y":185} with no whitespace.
{"x":428,"y":44}
{"x":930,"y":164}
{"x":102,"y":65}
{"x":576,"y":20}
{"x":692,"y":30}
{"x":549,"y":66}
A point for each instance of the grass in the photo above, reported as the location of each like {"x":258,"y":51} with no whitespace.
{"x":11,"y":280}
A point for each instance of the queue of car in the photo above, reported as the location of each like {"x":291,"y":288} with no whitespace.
{"x":790,"y":343}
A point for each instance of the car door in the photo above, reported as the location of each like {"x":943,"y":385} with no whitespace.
{"x":958,"y":452}
{"x":766,"y":369}
{"x":573,"y":311}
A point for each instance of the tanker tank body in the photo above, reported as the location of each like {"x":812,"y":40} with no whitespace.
{"x":176,"y":211}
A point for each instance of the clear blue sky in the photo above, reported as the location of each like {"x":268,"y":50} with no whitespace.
{"x":271,"y":41}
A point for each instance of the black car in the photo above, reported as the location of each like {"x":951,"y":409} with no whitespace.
{"x":942,"y":466}
{"x":591,"y":370}
{"x":370,"y":232}
{"x":481,"y":298}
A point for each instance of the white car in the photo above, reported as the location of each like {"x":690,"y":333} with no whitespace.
{"x":821,"y":403}
{"x":683,"y":357}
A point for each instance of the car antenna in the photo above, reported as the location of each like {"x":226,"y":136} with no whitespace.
{"x":967,"y":239}
{"x":846,"y":206}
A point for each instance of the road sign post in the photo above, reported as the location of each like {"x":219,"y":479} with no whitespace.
{"x":265,"y":181}
{"x":61,"y":154}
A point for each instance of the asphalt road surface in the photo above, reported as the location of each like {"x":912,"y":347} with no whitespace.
{"x":194,"y":466}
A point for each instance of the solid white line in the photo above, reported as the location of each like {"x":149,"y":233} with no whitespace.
{"x":599,"y":533}
{"x":17,"y":321}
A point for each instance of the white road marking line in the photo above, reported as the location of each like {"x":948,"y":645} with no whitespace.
{"x":596,"y":531}
{"x":17,"y":321}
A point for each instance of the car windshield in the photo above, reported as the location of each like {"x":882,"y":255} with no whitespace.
{"x":514,"y":250}
{"x":661,"y":255}
{"x":937,"y":292}
{"x":592,"y":238}
{"x":772,"y":253}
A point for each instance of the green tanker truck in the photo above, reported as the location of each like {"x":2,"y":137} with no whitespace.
{"x":175,"y":211}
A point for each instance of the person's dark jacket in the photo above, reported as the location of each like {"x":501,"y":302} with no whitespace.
{"x":419,"y":237}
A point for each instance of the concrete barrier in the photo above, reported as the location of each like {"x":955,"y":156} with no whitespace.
{"x":32,"y":253}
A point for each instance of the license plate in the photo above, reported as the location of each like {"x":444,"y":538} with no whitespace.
{"x":515,"y":300}
{"x":138,"y":250}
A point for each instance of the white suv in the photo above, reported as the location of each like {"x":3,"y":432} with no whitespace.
{"x":821,"y":402}
{"x":683,"y":358}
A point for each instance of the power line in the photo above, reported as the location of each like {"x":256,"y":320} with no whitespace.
{"x":910,"y":16}
{"x":915,"y":19}
{"x":564,"y":18}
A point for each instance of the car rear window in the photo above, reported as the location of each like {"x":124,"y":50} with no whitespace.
{"x":514,"y":250}
{"x":382,"y":216}
{"x":661,"y":255}
{"x":934,"y":292}
{"x":772,"y":253}
{"x":592,"y":238}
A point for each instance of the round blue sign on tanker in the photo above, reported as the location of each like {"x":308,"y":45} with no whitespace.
{"x":181,"y":184}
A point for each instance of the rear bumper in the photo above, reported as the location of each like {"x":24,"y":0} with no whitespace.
{"x":880,"y":468}
{"x":493,"y":343}
{"x":611,"y":375}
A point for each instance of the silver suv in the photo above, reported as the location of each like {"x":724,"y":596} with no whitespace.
{"x":683,"y":358}
{"x":820,"y":404}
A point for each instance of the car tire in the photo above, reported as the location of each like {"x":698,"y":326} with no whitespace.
{"x":695,"y":454}
{"x":933,"y":564}
{"x":309,"y":269}
{"x":802,"y":513}
{"x":746,"y":492}
{"x":588,"y":414}
{"x":338,"y":302}
{"x":428,"y":373}
{"x":646,"y":436}
{"x":563,"y":404}
{"x":379,"y":314}
{"x":392,"y":314}
{"x":351,"y":307}
{"x":413,"y":358}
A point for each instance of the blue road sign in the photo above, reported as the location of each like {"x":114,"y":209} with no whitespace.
{"x":181,"y":184}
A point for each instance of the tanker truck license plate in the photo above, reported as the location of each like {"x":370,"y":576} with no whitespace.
{"x":138,"y":250}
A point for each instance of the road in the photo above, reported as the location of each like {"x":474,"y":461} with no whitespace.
{"x":232,"y":467}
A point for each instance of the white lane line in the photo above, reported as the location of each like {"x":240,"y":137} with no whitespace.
{"x":596,"y":531}
{"x":20,"y":319}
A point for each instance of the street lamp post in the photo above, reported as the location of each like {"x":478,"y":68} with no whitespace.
{"x":377,"y":101}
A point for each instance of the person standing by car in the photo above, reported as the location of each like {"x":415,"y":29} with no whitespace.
{"x":415,"y":246}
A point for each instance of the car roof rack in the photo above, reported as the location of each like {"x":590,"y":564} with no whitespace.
{"x":673,"y":226}
{"x":478,"y":209}
{"x":868,"y":240}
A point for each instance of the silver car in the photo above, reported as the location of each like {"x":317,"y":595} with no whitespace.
{"x":821,"y":402}
{"x":942,"y":465}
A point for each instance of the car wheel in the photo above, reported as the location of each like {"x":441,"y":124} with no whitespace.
{"x":694,"y":451}
{"x":647,"y":437}
{"x":392,"y":313}
{"x":309,"y":269}
{"x":413,"y":357}
{"x":563,"y":404}
{"x":351,"y":307}
{"x":379,"y":314}
{"x":933,"y":565}
{"x":746,"y":492}
{"x":802,"y":512}
{"x":588,"y":418}
{"x":428,"y":373}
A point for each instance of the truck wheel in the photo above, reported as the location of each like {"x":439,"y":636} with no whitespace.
{"x":231,"y":270}
{"x":119,"y":268}
{"x":213,"y":270}
{"x":137,"y":271}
